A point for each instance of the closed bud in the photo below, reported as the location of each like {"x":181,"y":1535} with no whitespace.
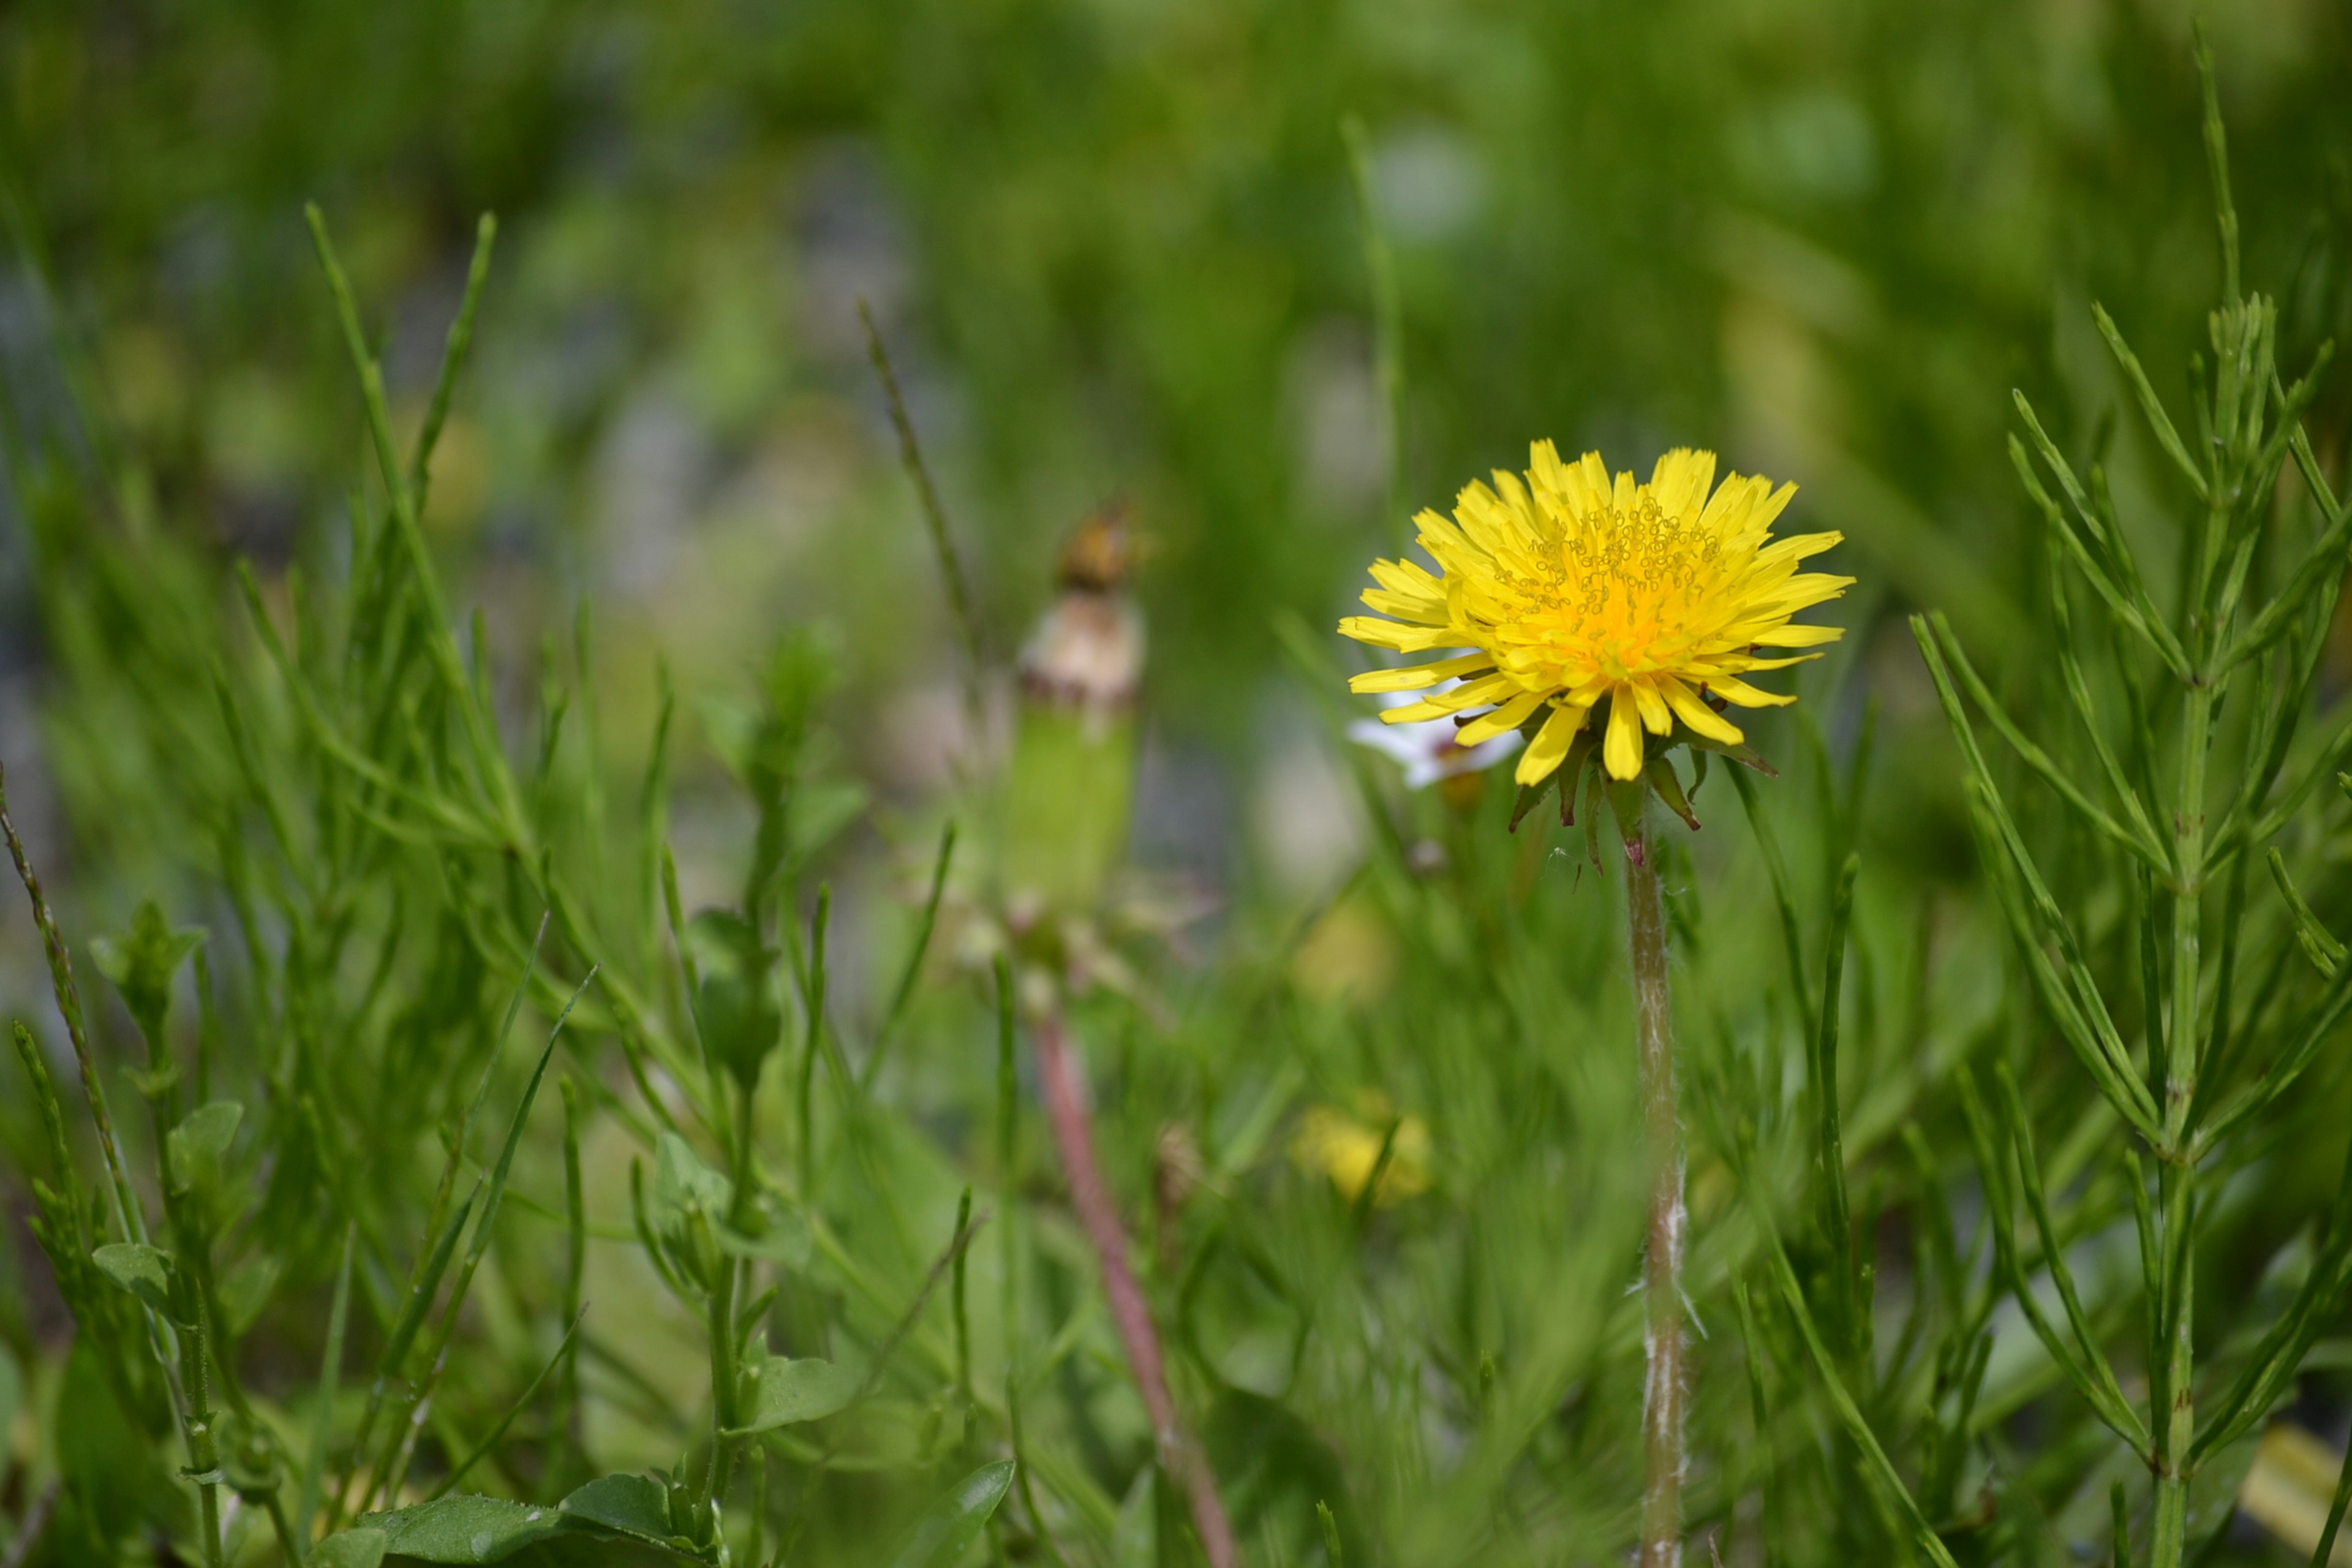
{"x":1072,"y":781}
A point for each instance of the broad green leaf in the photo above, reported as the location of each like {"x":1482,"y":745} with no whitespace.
{"x":146,"y":1271}
{"x":614,"y":1522}
{"x":784,"y":1393}
{"x":359,"y":1548}
{"x":681,"y":1180}
{"x":466,"y":1528}
{"x":787,"y":1240}
{"x":632,"y":1504}
{"x":955,"y":1521}
{"x":197,"y":1147}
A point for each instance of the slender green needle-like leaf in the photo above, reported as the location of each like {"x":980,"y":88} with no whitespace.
{"x":2323,"y":1552}
{"x":1829,"y":1152}
{"x":2159,"y":423}
{"x":2324,"y":951}
{"x":2143,"y":843}
{"x":2053,"y":1254}
{"x":1783,"y":896}
{"x":497,"y":1433}
{"x":453,"y":359}
{"x":2000,"y":1201}
{"x":1885,"y":1479}
{"x":2271,"y":1371}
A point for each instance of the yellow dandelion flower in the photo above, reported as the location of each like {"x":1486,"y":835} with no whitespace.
{"x":1579,"y":592}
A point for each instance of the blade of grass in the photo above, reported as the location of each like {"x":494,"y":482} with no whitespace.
{"x":564,"y":1354}
{"x":1877,"y":1467}
{"x":1777,"y":869}
{"x":575,"y":1265}
{"x":331,"y":1370}
{"x":493,"y":1192}
{"x":935,"y":519}
{"x":1829,"y":1150}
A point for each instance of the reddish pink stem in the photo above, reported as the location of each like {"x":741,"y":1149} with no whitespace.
{"x":1180,"y":1457}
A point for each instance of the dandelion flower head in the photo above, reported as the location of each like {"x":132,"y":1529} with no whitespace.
{"x":1593,"y":600}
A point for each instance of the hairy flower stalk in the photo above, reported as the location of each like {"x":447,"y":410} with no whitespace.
{"x":1596,"y":614}
{"x":1662,"y":1387}
{"x":1180,"y":1457}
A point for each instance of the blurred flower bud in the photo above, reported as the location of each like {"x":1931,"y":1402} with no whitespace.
{"x":689,"y":1200}
{"x":1349,"y":1149}
{"x":143,"y":960}
{"x":249,"y":1458}
{"x":1072,"y":781}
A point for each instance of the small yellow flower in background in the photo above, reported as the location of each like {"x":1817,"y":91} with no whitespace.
{"x":1345,"y":1148}
{"x":1576,"y":590}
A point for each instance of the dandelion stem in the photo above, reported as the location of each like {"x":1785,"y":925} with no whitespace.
{"x":1179,"y":1457}
{"x":1662,"y":1393}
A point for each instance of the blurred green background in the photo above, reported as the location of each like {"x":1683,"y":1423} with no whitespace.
{"x":1116,"y":245}
{"x":1116,"y":249}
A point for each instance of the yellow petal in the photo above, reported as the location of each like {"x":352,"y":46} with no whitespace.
{"x":1798,"y":637}
{"x":1395,"y":635}
{"x":1680,"y":481}
{"x":1702,"y":719}
{"x":1731,"y":688}
{"x":1545,"y":753}
{"x":1502,"y":720}
{"x":1414,"y":677}
{"x":1622,"y":750}
{"x":1655,"y":717}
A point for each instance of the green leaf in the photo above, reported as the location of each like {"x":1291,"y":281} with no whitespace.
{"x":466,"y":1528}
{"x":147,"y":1272}
{"x":360,"y":1548}
{"x":784,"y":1393}
{"x":633,"y":1504}
{"x":787,"y":1240}
{"x":614,"y":1522}
{"x":681,"y":1181}
{"x":197,"y":1147}
{"x":736,"y":1008}
{"x":946,"y":1532}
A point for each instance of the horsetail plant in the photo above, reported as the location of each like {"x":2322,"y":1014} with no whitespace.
{"x":2201,"y":775}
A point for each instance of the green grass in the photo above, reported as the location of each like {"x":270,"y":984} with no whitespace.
{"x":608,"y":1005}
